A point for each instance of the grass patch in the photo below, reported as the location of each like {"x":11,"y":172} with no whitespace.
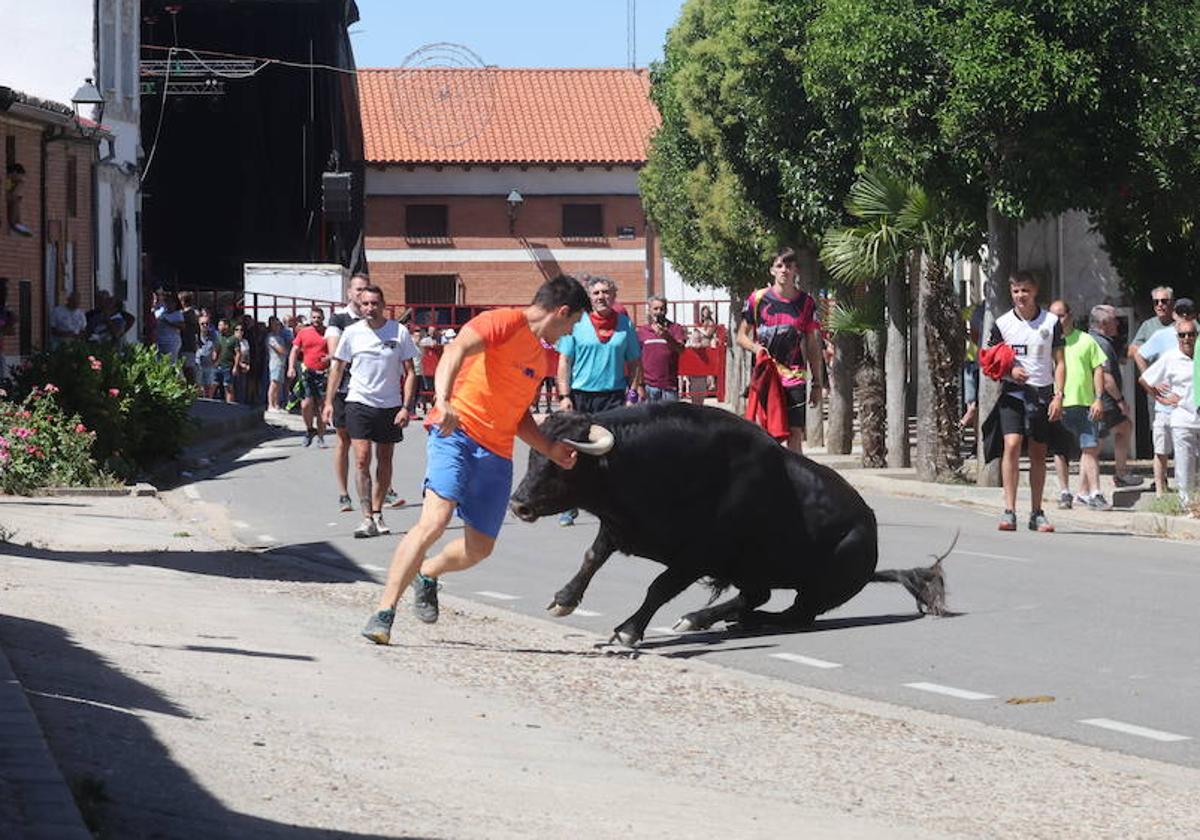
{"x":1167,"y":505}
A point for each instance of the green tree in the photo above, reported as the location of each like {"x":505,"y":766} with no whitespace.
{"x":1006,"y":109}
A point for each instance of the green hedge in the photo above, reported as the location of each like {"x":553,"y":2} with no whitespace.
{"x":132,"y":399}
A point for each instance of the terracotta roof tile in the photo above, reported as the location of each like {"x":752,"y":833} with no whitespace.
{"x":502,"y":116}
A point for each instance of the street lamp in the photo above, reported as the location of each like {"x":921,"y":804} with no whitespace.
{"x":88,"y":95}
{"x":514,"y":204}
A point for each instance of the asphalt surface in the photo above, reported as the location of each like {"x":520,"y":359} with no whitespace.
{"x":1085,"y":636}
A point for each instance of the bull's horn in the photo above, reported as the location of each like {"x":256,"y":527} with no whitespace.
{"x":599,"y":442}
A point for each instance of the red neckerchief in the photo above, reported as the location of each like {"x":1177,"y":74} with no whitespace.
{"x":605,"y":325}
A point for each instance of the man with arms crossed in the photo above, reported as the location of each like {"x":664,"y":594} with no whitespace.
{"x":379,"y":353}
{"x":482,"y":391}
{"x":1031,"y":396}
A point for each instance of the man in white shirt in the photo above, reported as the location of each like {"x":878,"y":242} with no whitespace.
{"x":379,"y":354}
{"x":1031,"y":396}
{"x":67,"y":322}
{"x":1146,"y":354}
{"x":1171,"y":382}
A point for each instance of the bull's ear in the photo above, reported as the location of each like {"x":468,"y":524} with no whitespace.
{"x":600,"y":442}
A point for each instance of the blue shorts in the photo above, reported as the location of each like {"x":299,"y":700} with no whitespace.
{"x":477,"y":479}
{"x":1078,"y":423}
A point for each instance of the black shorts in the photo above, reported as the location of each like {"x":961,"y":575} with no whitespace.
{"x":377,"y":425}
{"x":593,"y":402}
{"x":1030,"y":420}
{"x":797,"y":405}
{"x":339,"y":410}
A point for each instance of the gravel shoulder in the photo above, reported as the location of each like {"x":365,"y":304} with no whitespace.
{"x":214,"y":694}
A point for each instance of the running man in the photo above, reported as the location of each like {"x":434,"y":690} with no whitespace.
{"x":379,"y":353}
{"x":483,"y":387}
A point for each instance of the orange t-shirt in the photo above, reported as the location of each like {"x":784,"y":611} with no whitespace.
{"x":495,"y":388}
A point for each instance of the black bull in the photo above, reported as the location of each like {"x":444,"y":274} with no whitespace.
{"x":710,"y":495}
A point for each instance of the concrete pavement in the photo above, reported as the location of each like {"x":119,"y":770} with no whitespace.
{"x":193,"y":575}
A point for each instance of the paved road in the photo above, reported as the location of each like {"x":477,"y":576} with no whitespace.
{"x":1094,"y":631}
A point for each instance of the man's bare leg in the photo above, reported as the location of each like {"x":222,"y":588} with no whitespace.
{"x":341,"y":460}
{"x":1160,"y":473}
{"x":1089,"y":471}
{"x":383,"y":474}
{"x":1063,"y":470}
{"x":1121,"y":448}
{"x":462,"y":553}
{"x":410,"y":553}
{"x":362,"y":475}
{"x":795,"y":441}
{"x":1010,"y":469}
{"x":1037,"y":474}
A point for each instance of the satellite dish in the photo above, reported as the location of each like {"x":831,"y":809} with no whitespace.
{"x":448,"y":94}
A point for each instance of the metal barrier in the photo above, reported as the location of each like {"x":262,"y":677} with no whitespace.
{"x":705,"y":363}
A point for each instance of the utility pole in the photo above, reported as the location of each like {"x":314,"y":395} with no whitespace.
{"x":631,"y":33}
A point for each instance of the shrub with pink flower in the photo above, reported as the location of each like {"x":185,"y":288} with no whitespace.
{"x":51,"y":388}
{"x":95,"y":363}
{"x":114,"y":392}
{"x":41,"y":446}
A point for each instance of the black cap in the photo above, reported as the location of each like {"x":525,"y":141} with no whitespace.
{"x":1185,"y":306}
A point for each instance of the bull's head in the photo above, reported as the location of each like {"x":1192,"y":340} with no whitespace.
{"x":547,"y":488}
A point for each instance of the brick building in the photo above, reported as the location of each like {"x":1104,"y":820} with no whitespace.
{"x":481,"y":183}
{"x":46,"y":216}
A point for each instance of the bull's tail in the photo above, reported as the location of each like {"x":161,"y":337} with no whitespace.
{"x":927,"y":585}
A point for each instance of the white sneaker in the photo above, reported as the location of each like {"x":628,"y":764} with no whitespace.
{"x":380,"y":526}
{"x":367,"y":528}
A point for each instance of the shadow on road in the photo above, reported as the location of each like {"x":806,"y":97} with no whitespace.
{"x":717,"y":639}
{"x":331,"y":567}
{"x":126,"y":781}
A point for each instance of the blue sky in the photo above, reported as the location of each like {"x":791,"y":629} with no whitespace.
{"x":512,"y":33}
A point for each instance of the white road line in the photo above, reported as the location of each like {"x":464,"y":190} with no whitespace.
{"x":237,"y":523}
{"x":1131,"y":729}
{"x":499,"y":596}
{"x":373,"y":567}
{"x":587,"y":613}
{"x":949,"y":691}
{"x":805,"y":660}
{"x":191,"y":492}
{"x":993,"y":556}
{"x":267,"y":538}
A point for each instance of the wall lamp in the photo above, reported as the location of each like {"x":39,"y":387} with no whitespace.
{"x":515,"y":200}
{"x":88,"y":95}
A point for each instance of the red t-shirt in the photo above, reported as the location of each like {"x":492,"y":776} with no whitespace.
{"x":312,"y":346}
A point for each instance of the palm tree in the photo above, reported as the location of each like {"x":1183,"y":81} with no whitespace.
{"x":898,"y":219}
{"x":868,"y":258}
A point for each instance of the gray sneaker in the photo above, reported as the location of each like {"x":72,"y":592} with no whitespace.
{"x":1039,"y":522}
{"x":1065,"y":500}
{"x":380,"y":526}
{"x":1129,"y":480}
{"x":367,"y":528}
{"x":1098,"y":502}
{"x":345,"y":503}
{"x":1008,"y":521}
{"x":379,"y":627}
{"x":425,"y":602}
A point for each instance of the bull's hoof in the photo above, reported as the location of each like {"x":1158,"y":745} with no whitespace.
{"x":690,"y":622}
{"x":559,"y":610}
{"x":628,"y":638}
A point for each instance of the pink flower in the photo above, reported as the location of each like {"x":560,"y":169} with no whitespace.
{"x":4,"y":456}
{"x":114,"y":392}
{"x":22,"y":432}
{"x":24,"y":415}
{"x":80,"y":429}
{"x":96,"y":363}
{"x":51,"y":388}
{"x":3,"y":442}
{"x":35,"y":451}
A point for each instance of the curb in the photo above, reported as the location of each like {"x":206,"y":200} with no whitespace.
{"x":34,"y":798}
{"x":1170,"y":527}
{"x":139,"y":489}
